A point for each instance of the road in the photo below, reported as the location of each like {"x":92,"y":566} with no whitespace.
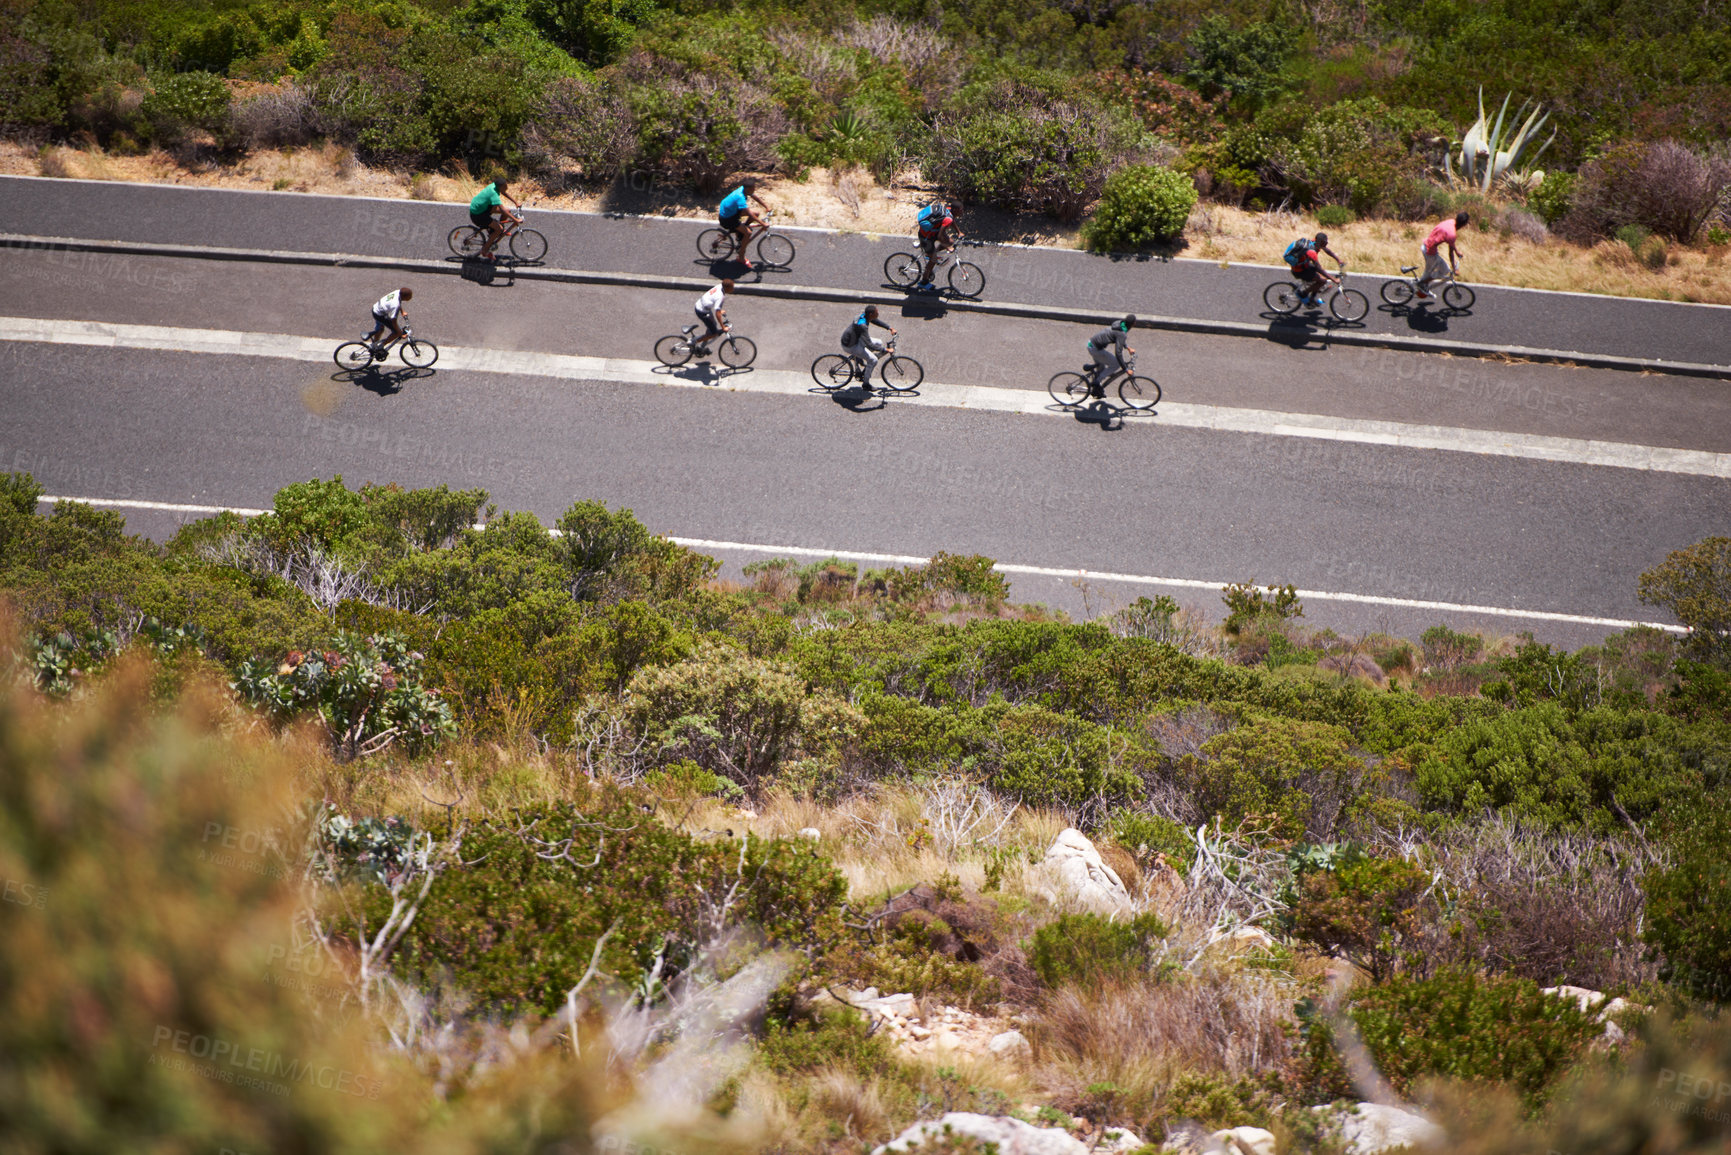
{"x":298,"y":222}
{"x":878,"y":476}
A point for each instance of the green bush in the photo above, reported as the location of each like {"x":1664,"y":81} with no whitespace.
{"x":186,"y":101}
{"x":1301,"y":777}
{"x":1334,"y":216}
{"x":1366,"y":909}
{"x":1554,"y":196}
{"x":1689,"y":900}
{"x":1141,"y":204}
{"x":1247,"y":63}
{"x":1088,"y":949}
{"x":1460,"y":1025}
{"x":1362,"y":154}
{"x":1695,"y":585}
{"x":516,"y":923}
{"x":1246,"y":604}
{"x":1147,"y":836}
{"x":1040,"y":757}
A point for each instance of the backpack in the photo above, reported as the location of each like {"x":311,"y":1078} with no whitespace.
{"x":1297,"y":251}
{"x":849,"y":335}
{"x":930,"y":218}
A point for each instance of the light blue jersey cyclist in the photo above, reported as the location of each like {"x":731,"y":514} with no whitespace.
{"x":737,"y":217}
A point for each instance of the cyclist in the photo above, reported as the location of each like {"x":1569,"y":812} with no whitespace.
{"x":737,"y":217}
{"x":1434,"y":270}
{"x":1109,"y":347}
{"x":1303,"y":256}
{"x":487,"y":212}
{"x":858,"y":343}
{"x":388,"y":313}
{"x":937,"y":233}
{"x":709,"y":310}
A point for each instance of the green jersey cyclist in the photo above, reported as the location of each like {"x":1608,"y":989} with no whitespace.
{"x":737,"y":217}
{"x":1109,"y":348}
{"x":487,"y":211}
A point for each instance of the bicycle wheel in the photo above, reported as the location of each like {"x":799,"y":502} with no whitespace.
{"x":528,"y":245}
{"x":715,"y":244}
{"x":903,"y":374}
{"x":1349,"y":305}
{"x":775,"y":249}
{"x":1139,"y":393}
{"x":1282,"y":297}
{"x":418,"y":354}
{"x":353,"y":355}
{"x":466,"y":241}
{"x":903,"y":270}
{"x":1068,"y":389}
{"x":832,"y":371}
{"x":1458,"y":296}
{"x":967,"y":279}
{"x":1397,"y":292}
{"x":673,"y":350}
{"x":738,"y":352}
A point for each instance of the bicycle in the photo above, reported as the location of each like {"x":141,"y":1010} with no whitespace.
{"x":676,"y":349}
{"x":966,"y":279}
{"x":1072,"y":390}
{"x":834,"y":371}
{"x":1346,"y":304}
{"x":1403,"y":289}
{"x":772,"y":248}
{"x":415,"y":352}
{"x":527,"y":245}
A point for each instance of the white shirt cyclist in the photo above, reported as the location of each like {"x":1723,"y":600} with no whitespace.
{"x":389,"y":305}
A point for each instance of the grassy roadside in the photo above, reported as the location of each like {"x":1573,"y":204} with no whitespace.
{"x":854,"y":201}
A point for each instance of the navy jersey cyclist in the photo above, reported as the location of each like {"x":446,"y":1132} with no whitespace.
{"x":937,"y":233}
{"x":857,"y":341}
{"x":1304,"y":255}
{"x":737,"y":217}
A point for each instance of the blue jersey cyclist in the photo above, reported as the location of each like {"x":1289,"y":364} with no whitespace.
{"x":1302,"y":255}
{"x":737,"y":217}
{"x":857,"y":341}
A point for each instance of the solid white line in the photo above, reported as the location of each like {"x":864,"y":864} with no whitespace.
{"x":699,"y":543}
{"x":1260,"y":422}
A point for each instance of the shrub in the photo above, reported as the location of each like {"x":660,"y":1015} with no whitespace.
{"x":579,"y":123}
{"x":1458,"y":1024}
{"x":283,"y":116}
{"x":1141,"y":204}
{"x":1088,"y":950}
{"x":699,"y":128}
{"x":1359,"y":153}
{"x":1664,"y":187}
{"x":366,"y":691}
{"x":1147,"y":836}
{"x":1367,"y":909}
{"x":1020,"y":147}
{"x":1689,"y":901}
{"x":1039,"y":757}
{"x":1695,"y":585}
{"x":1554,"y":196}
{"x":1247,"y":63}
{"x":1301,"y":776}
{"x":187,"y":101}
{"x":1333,"y":216}
{"x":966,"y":579}
{"x":1246,"y":604}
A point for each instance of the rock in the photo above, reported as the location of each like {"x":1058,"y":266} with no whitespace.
{"x":1117,"y":1141}
{"x":946,"y":1040}
{"x":1084,"y":875}
{"x":1595,"y":1003}
{"x":1372,"y":1127}
{"x":1245,"y":939}
{"x":1245,"y":1141}
{"x":1354,"y":666}
{"x":811,"y":833}
{"x":1012,"y":1136}
{"x":1009,"y":1045}
{"x":920,"y":1032}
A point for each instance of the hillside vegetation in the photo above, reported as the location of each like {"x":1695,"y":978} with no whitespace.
{"x":525,"y":839}
{"x":1023,"y":105}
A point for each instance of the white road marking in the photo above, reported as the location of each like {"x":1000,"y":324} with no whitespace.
{"x":1263,"y":422}
{"x":698,"y":543}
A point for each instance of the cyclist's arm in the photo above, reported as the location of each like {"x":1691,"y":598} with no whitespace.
{"x":760,"y":201}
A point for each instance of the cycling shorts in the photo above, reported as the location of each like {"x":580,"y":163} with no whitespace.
{"x":1307,"y":271}
{"x":481,"y":220}
{"x":929,"y":245}
{"x":731,"y":223}
{"x":708,"y":319}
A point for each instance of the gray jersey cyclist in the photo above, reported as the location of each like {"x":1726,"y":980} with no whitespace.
{"x":857,"y":341}
{"x":1110,"y":348}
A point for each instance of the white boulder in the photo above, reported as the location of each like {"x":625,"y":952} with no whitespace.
{"x":811,"y":834}
{"x":1372,"y":1127}
{"x":1012,"y":1136}
{"x":1009,"y":1045}
{"x":1117,"y":1141}
{"x":1081,"y":873}
{"x":1227,"y":1141}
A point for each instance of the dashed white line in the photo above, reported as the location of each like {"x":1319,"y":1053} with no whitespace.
{"x":1008,"y":568}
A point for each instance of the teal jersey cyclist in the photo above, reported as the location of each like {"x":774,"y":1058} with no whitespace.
{"x":737,"y":217}
{"x":487,"y":211}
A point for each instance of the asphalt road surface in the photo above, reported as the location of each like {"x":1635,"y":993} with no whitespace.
{"x":1184,"y":288}
{"x":878,"y":476}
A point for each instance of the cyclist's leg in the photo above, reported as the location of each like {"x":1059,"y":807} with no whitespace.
{"x":378,"y":328}
{"x":1105,"y":364}
{"x":710,"y":330}
{"x":867,"y":351}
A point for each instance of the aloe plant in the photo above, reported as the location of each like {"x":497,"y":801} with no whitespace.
{"x":1487,"y":152}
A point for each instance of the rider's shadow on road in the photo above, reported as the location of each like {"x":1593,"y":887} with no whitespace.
{"x":1101,"y":413}
{"x":1422,"y":319}
{"x":702,"y":372}
{"x":925,"y":308}
{"x":382,"y":382}
{"x":1295,"y":333}
{"x":856,"y":398}
{"x":486,"y":273}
